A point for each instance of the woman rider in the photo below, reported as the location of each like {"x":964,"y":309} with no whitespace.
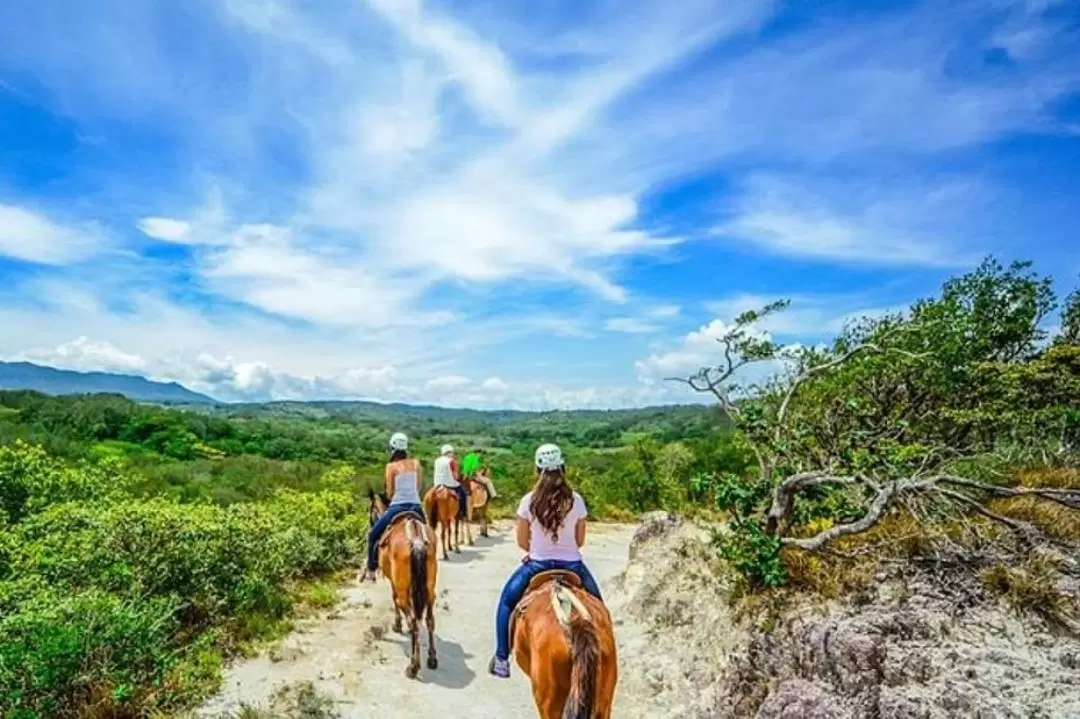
{"x":403,"y":475}
{"x":551,"y":530}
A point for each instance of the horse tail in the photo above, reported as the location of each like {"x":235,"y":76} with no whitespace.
{"x":584,"y":653}
{"x":418,"y":549}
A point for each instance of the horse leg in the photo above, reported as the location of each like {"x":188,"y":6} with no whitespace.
{"x":547,"y":701}
{"x":468,"y":524}
{"x":432,"y":659}
{"x":397,"y":620}
{"x":445,"y":540}
{"x":414,"y":634}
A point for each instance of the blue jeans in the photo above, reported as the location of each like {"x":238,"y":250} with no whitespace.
{"x":517,"y":585}
{"x":463,"y":501}
{"x":380,"y":526}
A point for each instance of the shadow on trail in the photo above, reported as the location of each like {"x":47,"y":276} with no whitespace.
{"x":490,"y":541}
{"x":453,"y":672}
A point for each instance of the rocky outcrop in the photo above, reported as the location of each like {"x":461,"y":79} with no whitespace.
{"x":903,"y":651}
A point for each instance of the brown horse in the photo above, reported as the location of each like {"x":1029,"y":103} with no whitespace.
{"x":478,"y":503}
{"x":407,"y":557}
{"x":442,"y":507}
{"x":564,"y":641}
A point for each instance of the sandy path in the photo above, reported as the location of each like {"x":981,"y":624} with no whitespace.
{"x":352,"y":656}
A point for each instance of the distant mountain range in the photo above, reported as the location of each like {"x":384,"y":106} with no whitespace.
{"x":49,"y":380}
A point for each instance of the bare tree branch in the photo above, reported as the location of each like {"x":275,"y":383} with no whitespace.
{"x":783,"y":502}
{"x":868,"y":520}
{"x":1023,"y":528}
{"x":1066,"y":497}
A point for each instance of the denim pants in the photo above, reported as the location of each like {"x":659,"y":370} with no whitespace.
{"x":380,"y":526}
{"x":463,"y":501}
{"x":517,"y":585}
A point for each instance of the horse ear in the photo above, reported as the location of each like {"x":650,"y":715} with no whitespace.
{"x":371,"y":494}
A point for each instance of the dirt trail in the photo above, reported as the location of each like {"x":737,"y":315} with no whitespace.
{"x":352,"y":656}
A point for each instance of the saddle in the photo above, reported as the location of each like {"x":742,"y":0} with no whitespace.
{"x":385,"y":538}
{"x":563,"y":576}
{"x":536,"y":584}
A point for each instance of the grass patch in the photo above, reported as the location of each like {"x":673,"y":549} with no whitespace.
{"x":1034,"y":587}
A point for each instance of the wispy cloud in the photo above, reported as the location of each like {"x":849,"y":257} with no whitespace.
{"x":33,"y":237}
{"x":333,"y":198}
{"x":859,"y":220}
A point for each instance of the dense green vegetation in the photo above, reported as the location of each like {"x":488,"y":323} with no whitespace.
{"x":139,"y":545}
{"x":922,"y":421}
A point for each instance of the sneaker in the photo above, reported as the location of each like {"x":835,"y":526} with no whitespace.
{"x":499,"y":668}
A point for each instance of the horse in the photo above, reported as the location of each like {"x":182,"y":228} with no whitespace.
{"x":564,"y":642}
{"x":442,"y":506}
{"x":407,"y":557}
{"x":478,"y":503}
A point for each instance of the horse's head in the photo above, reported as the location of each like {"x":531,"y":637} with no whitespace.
{"x":379,"y":503}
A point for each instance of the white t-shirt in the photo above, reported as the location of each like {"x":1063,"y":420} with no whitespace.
{"x":444,"y":474}
{"x":540,"y":544}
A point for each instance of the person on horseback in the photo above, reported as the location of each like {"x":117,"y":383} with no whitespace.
{"x":447,"y":474}
{"x":403,"y":476}
{"x":470,"y":468}
{"x":551,"y":530}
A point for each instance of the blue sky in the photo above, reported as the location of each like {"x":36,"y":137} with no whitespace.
{"x":494,"y":203}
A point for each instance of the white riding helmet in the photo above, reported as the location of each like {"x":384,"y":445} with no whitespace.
{"x":398,"y":441}
{"x":446,"y":449}
{"x":549,"y":456}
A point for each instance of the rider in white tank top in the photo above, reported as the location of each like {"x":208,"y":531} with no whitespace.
{"x":444,"y":474}
{"x":405,"y":489}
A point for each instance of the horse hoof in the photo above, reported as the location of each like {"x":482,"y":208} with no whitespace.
{"x":432,"y":663}
{"x":411,"y":672}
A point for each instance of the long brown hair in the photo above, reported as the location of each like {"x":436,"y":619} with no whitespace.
{"x":552,"y":500}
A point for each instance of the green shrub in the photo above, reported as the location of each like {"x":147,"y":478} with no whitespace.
{"x":123,"y":604}
{"x":752,"y":552}
{"x":61,"y":651}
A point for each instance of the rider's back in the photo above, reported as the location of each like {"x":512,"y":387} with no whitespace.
{"x":444,"y":473}
{"x":564,"y":547}
{"x":406,"y":481}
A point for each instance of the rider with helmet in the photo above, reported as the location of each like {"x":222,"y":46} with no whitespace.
{"x":447,"y":474}
{"x":403,"y":481}
{"x":551,"y":530}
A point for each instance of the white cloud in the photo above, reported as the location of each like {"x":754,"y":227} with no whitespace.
{"x":696,"y":350}
{"x":165,"y":228}
{"x":451,"y":382}
{"x":630,"y":325}
{"x":494,"y":384}
{"x":84,"y":354}
{"x":32,"y":237}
